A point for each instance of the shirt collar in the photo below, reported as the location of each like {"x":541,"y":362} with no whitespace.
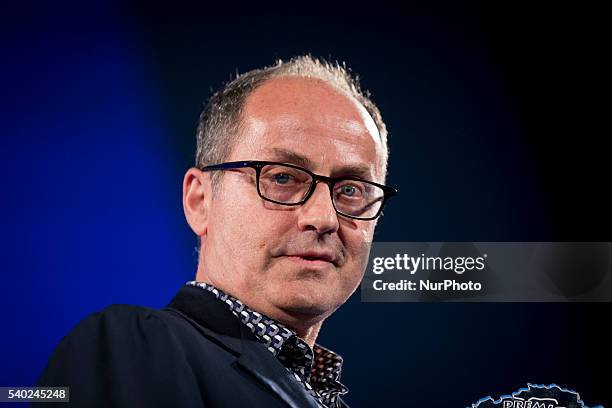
{"x":318,"y":365}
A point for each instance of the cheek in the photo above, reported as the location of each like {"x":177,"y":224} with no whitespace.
{"x":357,"y":240}
{"x":357,"y":244}
{"x":247,"y":230}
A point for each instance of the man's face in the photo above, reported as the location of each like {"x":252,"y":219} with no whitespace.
{"x":263,"y":252}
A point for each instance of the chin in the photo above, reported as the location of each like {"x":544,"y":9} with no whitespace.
{"x":307,"y":309}
{"x":305,"y":303}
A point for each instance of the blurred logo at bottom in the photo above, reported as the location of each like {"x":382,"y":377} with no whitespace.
{"x":536,"y":396}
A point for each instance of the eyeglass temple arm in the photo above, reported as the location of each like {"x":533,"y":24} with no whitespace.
{"x":229,"y":165}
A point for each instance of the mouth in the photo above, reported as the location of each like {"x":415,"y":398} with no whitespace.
{"x":313,"y":259}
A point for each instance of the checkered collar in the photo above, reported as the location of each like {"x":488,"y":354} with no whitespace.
{"x":317,"y":368}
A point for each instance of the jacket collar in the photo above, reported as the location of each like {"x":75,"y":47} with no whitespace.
{"x":216,"y":321}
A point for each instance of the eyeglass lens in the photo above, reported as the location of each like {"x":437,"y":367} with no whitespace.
{"x":289,"y":185}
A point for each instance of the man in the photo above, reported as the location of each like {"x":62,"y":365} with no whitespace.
{"x":291,"y":161}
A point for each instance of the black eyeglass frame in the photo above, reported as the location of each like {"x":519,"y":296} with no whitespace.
{"x":258,"y":165}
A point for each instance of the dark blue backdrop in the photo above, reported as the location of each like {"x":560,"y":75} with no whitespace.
{"x":493,"y":136}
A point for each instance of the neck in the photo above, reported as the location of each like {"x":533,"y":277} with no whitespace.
{"x":304,"y":330}
{"x":305,"y":326}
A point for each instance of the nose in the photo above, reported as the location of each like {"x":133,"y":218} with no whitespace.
{"x":318,"y":212}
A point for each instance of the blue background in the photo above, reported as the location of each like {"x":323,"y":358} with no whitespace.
{"x":495,"y":135}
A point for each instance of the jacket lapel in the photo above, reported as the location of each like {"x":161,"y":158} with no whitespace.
{"x":266,"y":368}
{"x":209,"y":316}
{"x":215,"y":321}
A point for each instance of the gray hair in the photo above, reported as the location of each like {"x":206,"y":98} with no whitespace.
{"x":220,"y":121}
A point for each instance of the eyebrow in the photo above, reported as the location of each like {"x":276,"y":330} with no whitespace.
{"x":289,"y":156}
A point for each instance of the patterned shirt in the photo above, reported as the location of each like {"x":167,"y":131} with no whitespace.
{"x":317,"y":369}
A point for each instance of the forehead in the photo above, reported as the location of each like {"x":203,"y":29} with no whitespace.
{"x":314,"y":119}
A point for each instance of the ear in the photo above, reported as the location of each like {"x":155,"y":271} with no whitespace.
{"x":197,"y":194}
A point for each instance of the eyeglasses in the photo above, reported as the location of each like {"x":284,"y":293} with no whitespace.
{"x":287,"y":184}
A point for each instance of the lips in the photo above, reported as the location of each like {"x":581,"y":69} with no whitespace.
{"x":314,"y":256}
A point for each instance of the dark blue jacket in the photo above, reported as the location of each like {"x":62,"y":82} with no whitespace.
{"x":192,"y":353}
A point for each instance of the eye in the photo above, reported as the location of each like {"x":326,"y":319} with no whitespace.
{"x":350,"y":190}
{"x":281,"y":178}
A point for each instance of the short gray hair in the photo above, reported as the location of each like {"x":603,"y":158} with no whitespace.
{"x":220,"y":121}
